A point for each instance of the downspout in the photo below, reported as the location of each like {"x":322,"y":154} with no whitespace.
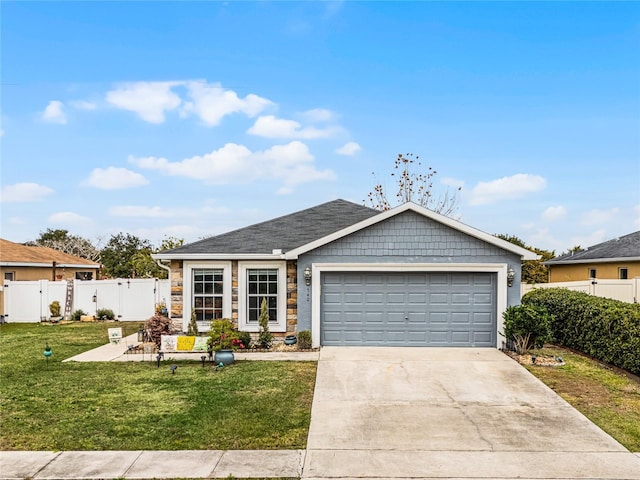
{"x":164,"y":267}
{"x":168,"y":269}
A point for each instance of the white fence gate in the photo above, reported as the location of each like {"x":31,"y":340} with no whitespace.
{"x":624,"y":290}
{"x":130,"y":299}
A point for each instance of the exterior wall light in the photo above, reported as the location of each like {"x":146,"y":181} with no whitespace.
{"x":307,"y":276}
{"x":511,"y":275}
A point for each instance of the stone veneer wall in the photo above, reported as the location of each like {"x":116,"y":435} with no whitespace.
{"x":176,"y":293}
{"x":292,"y":297}
{"x":177,"y":290}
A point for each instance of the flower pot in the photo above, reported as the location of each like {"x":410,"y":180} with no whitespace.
{"x":224,"y":356}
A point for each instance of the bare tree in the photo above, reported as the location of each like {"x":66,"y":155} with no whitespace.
{"x":414,"y":187}
{"x":61,"y":240}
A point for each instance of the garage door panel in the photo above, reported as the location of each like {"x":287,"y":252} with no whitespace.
{"x":416,"y":308}
{"x":461,"y":299}
{"x":438,"y":318}
{"x":439,"y":298}
{"x":354,"y":298}
{"x":398,"y":298}
{"x":482,"y":299}
{"x":481,"y":320}
{"x":462,"y":318}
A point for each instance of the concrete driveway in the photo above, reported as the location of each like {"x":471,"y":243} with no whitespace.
{"x":449,"y":413}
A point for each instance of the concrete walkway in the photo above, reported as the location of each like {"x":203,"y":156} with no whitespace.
{"x":117,"y":353}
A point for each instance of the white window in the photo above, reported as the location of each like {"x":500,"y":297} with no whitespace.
{"x":207,"y":292}
{"x":258,"y":281}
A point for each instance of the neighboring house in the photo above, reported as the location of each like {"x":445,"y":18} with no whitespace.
{"x":353,"y":276}
{"x":21,"y":262}
{"x":614,"y":259}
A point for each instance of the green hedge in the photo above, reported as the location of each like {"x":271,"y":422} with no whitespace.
{"x":606,"y":329}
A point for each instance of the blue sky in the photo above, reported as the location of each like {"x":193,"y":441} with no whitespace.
{"x":194,"y":118}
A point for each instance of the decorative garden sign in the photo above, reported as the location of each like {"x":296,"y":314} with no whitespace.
{"x":183,"y":343}
{"x":115,"y":335}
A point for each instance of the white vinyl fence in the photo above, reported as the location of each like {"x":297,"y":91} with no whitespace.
{"x":624,"y":290}
{"x":130,"y":299}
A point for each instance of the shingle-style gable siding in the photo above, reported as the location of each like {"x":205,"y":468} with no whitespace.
{"x":405,"y":238}
{"x":409,"y":235}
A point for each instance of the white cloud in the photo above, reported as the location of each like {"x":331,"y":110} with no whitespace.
{"x":54,"y":113}
{"x":348,"y":149}
{"x":68,"y":218}
{"x":114,"y":178}
{"x":83,"y":105}
{"x":150,"y":100}
{"x":210,"y":102}
{"x":318,"y":115}
{"x":143,"y":211}
{"x":270,"y":126}
{"x":553,"y":214}
{"x":506,"y":188}
{"x":291,"y":163}
{"x":597,"y":216}
{"x":636,"y":210}
{"x":24,"y":192}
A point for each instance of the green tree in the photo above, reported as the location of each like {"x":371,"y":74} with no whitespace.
{"x":121,"y":255}
{"x":413,"y":186}
{"x":127,"y":256}
{"x":265,"y":337}
{"x":533,"y":271}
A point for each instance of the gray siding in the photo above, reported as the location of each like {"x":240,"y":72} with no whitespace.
{"x":405,"y":238}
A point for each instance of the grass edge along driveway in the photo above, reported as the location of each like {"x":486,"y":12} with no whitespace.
{"x":609,"y":399}
{"x":137,"y":406}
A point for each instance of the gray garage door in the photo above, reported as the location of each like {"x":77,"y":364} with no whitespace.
{"x":408,"y":309}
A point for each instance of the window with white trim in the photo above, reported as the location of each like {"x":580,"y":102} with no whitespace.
{"x":258,"y":281}
{"x":208,"y":291}
{"x":262,"y":284}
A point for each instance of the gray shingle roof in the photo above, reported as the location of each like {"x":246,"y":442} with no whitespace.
{"x":627,"y":246}
{"x":285,"y":233}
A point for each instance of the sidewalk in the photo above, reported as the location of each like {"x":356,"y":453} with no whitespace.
{"x":137,"y":464}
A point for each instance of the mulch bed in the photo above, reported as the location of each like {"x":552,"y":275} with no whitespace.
{"x":540,"y":360}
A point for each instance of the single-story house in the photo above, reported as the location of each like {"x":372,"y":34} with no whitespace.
{"x":21,"y":262}
{"x":614,"y":259}
{"x":353,"y":275}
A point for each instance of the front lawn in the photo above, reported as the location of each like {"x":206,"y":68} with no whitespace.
{"x":609,"y":399}
{"x":135,"y":405}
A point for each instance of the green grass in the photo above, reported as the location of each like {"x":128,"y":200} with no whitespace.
{"x":135,"y":405}
{"x":609,"y":399}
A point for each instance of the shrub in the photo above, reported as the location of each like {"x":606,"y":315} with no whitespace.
{"x":245,"y":338}
{"x":157,"y":326}
{"x":527,"y":326}
{"x":76,"y":314}
{"x":105,"y":314}
{"x":222,"y":335}
{"x":304,"y":340}
{"x":606,"y":329}
{"x":265,"y":337}
{"x":54,"y":308}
